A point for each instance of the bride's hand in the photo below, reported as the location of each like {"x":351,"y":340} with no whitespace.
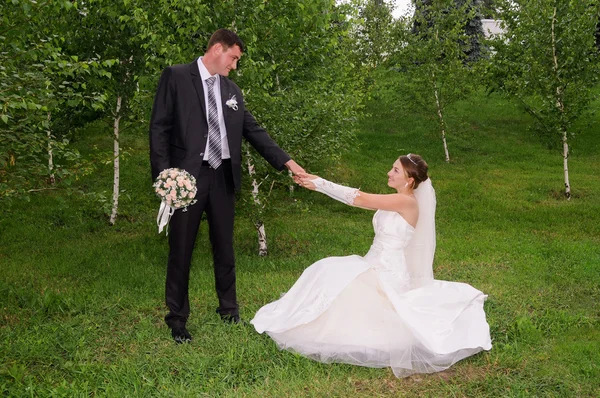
{"x":305,"y":180}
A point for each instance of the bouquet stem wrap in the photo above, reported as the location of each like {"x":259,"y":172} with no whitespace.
{"x":164,"y":216}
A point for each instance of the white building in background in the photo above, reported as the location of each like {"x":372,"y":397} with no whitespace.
{"x":491,"y":27}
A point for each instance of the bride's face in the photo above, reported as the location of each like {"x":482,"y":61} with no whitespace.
{"x":397,"y":177}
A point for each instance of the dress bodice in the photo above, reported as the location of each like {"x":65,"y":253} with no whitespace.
{"x":386,"y":255}
{"x":392,"y":231}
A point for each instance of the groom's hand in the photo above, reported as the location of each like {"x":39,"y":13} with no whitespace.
{"x":305,"y":180}
{"x":294,"y":167}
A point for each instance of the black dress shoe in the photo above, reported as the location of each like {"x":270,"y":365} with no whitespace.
{"x":181,"y":335}
{"x":230,"y":318}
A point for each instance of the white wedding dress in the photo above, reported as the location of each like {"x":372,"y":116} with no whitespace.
{"x":380,"y":310}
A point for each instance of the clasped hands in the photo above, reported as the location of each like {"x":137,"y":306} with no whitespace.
{"x":301,"y":177}
{"x":305,"y":180}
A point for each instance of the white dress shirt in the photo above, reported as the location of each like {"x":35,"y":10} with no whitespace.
{"x":205,"y":74}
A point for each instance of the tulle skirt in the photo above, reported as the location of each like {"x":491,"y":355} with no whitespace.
{"x":340,"y":310}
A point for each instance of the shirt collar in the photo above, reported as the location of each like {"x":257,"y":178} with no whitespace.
{"x":204,"y":73}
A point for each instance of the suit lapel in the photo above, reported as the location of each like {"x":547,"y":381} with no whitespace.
{"x":197,"y":81}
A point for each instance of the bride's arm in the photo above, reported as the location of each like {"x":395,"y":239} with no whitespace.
{"x":392,"y":202}
{"x":351,"y":196}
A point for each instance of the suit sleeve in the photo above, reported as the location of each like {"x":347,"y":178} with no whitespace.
{"x":263,"y":143}
{"x":161,"y":123}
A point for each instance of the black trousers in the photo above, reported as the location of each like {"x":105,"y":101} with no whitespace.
{"x":216,"y":197}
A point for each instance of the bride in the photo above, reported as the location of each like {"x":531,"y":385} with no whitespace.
{"x":383,"y":309}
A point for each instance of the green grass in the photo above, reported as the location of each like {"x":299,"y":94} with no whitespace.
{"x":82,"y":302}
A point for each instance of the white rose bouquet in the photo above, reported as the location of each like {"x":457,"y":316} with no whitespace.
{"x":176,"y":189}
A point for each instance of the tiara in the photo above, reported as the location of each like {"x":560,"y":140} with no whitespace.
{"x":409,"y":158}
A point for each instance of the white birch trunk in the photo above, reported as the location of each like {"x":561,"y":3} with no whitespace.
{"x":561,"y":107}
{"x":566,"y":165}
{"x":50,"y":154}
{"x":292,"y":186}
{"x":116,"y":166}
{"x":438,"y":106}
{"x":262,"y":238}
{"x":258,"y":223}
{"x":441,"y":119}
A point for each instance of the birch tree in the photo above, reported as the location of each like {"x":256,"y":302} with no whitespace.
{"x":372,"y":31}
{"x":259,"y":224}
{"x":40,"y":84}
{"x":431,"y":65}
{"x":112,"y":30}
{"x":548,"y":61}
{"x":301,"y":84}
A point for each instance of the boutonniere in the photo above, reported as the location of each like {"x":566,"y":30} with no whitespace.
{"x":232,"y":103}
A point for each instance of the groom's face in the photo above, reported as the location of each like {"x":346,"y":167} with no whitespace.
{"x":226,"y":59}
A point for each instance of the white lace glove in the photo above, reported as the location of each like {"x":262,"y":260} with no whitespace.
{"x":338,"y":192}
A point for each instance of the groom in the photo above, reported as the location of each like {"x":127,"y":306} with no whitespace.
{"x":197,"y":124}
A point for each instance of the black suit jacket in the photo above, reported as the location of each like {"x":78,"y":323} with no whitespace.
{"x":179,"y":129}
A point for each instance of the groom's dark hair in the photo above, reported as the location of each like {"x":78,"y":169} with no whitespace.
{"x":227,"y":38}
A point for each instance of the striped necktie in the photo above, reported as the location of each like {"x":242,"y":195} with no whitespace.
{"x":214,"y":132}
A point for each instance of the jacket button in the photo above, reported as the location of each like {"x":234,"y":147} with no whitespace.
{"x":205,"y":135}
{"x":202,"y":154}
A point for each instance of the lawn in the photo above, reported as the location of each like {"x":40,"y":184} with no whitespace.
{"x":82,"y":302}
